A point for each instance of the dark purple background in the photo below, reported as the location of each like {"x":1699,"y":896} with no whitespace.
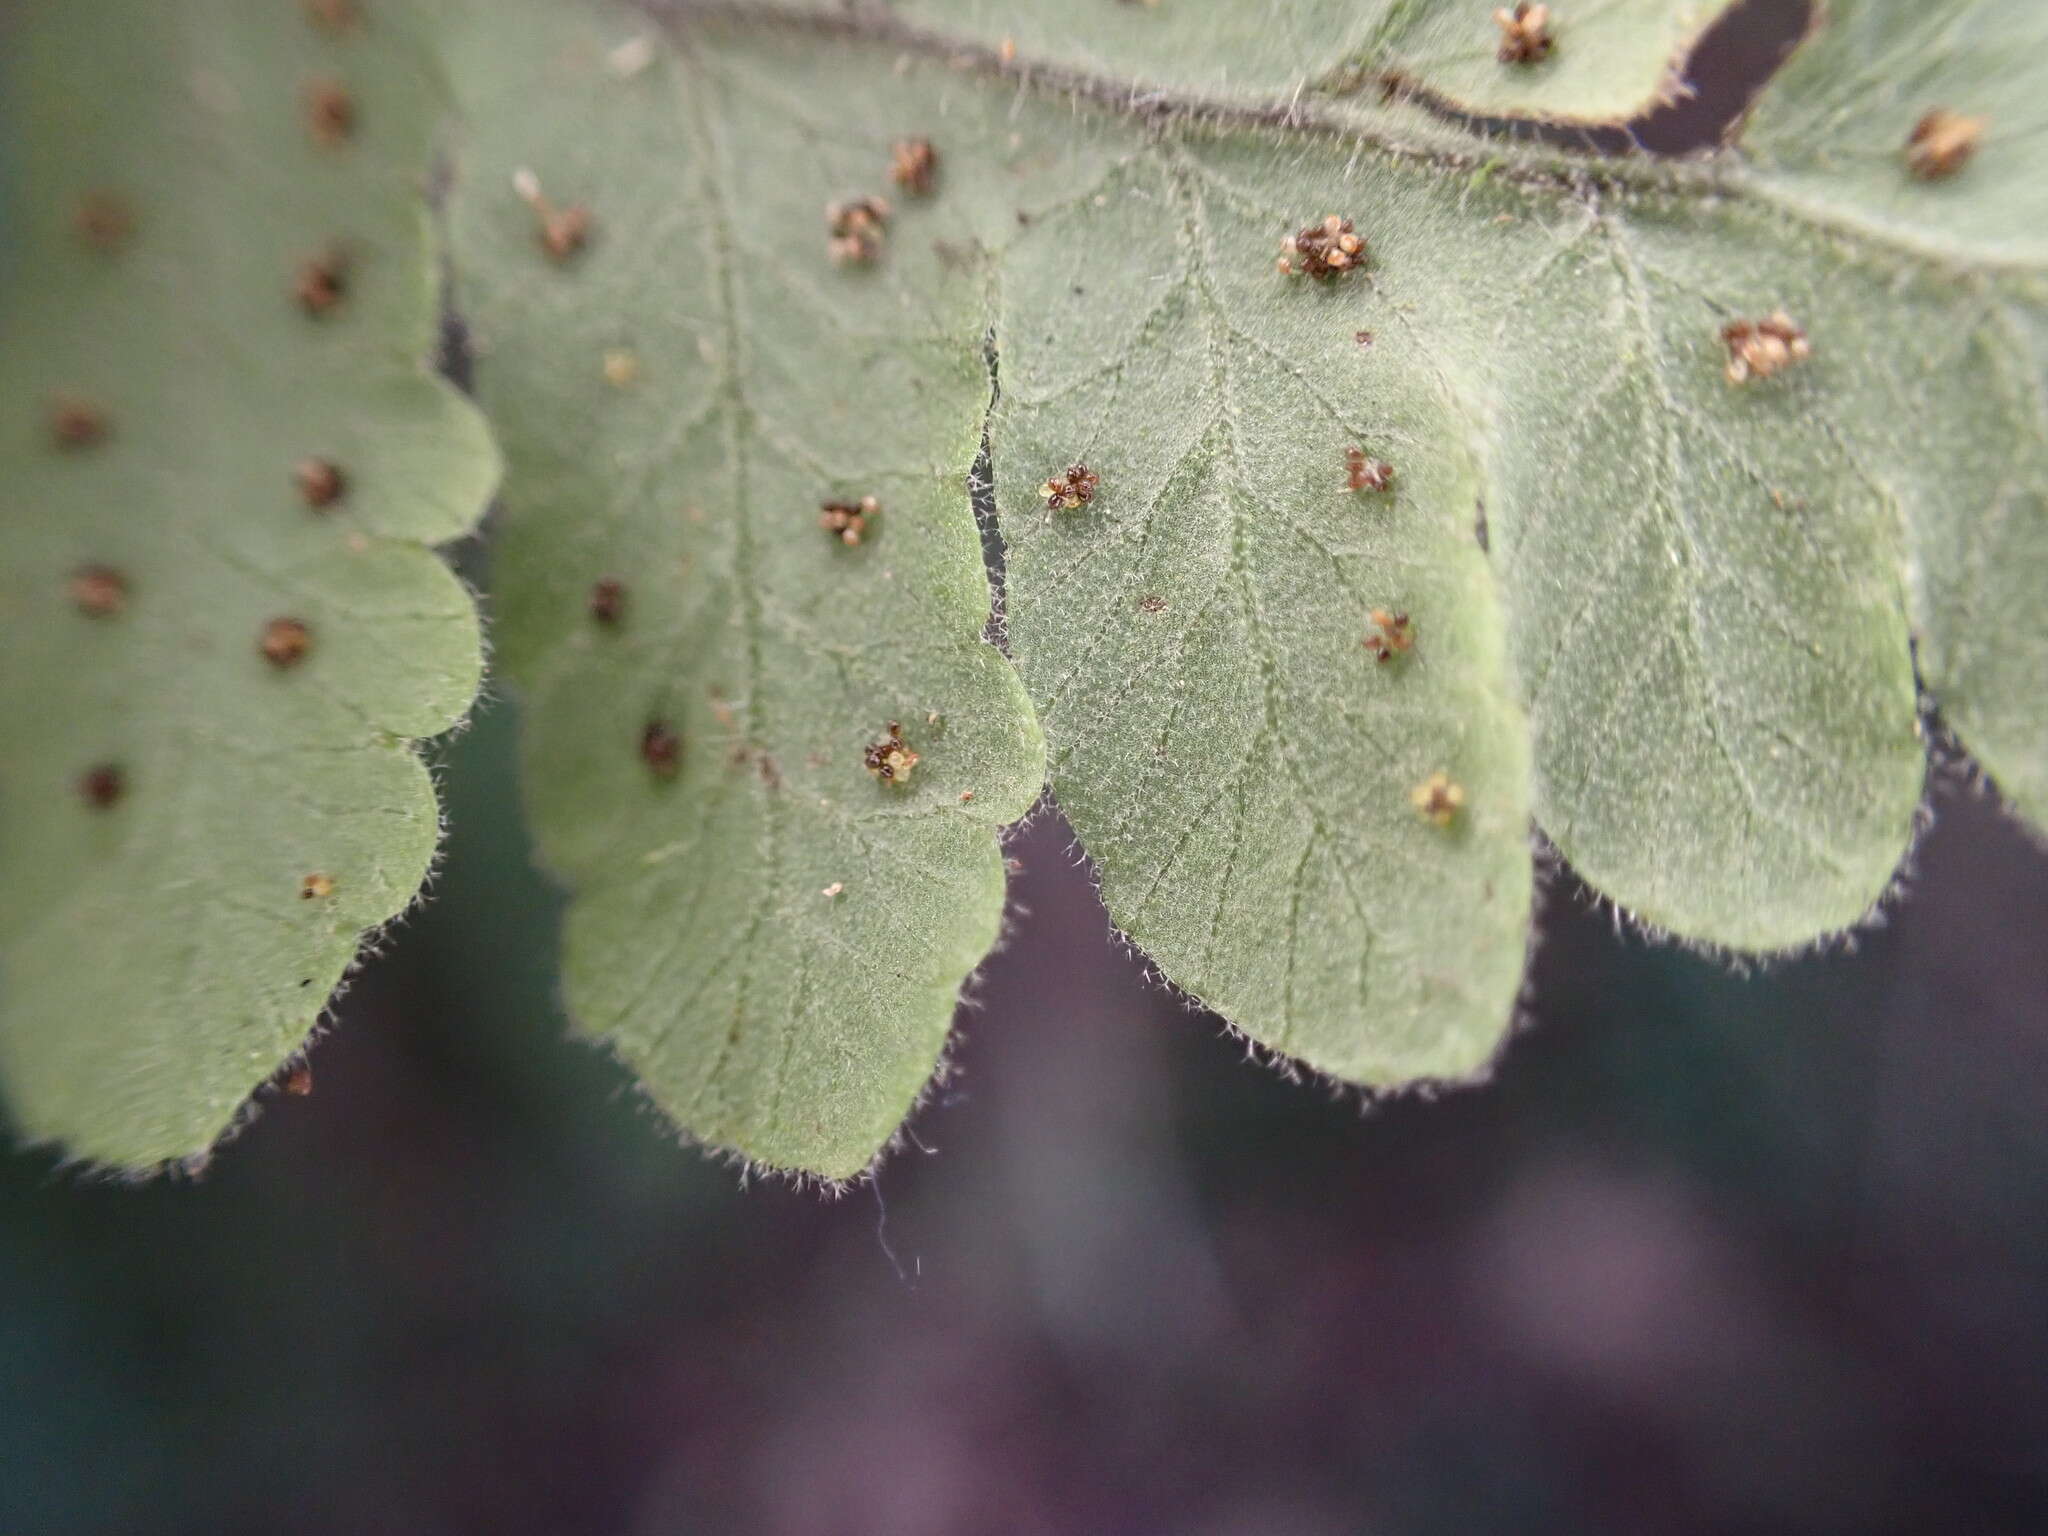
{"x":1708,"y":1255}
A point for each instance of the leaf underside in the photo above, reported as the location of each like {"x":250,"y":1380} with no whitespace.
{"x":1672,"y":620}
{"x":772,"y":936}
{"x":158,"y":955}
{"x":1606,"y":65}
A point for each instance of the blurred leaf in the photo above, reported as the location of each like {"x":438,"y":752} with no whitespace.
{"x":171,"y":172}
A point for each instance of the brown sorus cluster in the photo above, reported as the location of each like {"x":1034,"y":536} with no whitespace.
{"x":1392,"y":635}
{"x":1941,"y":142}
{"x":1524,"y":33}
{"x":322,"y":283}
{"x":1757,"y":349}
{"x":1152,"y":603}
{"x":316,"y":887}
{"x":1328,"y":249}
{"x":607,"y":600}
{"x":99,"y":591}
{"x":285,"y":642}
{"x":563,"y":231}
{"x":320,"y":482}
{"x":856,"y":227}
{"x":1437,"y":800}
{"x":914,"y":166}
{"x":76,"y":422}
{"x":102,"y":784}
{"x":298,"y":1081}
{"x":848,"y":520}
{"x":330,"y":112}
{"x":661,"y":749}
{"x":889,"y":759}
{"x":1073,"y":488}
{"x":1362,"y":472}
{"x":104,"y":221}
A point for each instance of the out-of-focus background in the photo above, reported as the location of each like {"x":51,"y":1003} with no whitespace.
{"x":1709,"y":1253}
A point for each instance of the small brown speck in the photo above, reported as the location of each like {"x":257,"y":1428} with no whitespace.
{"x":966,"y":795}
{"x":105,"y":221}
{"x":661,"y":749}
{"x":320,"y":481}
{"x":1152,"y":603}
{"x":1365,"y":473}
{"x":322,"y":283}
{"x":336,"y":16}
{"x":285,"y":642}
{"x":330,"y":112}
{"x":76,"y":423}
{"x":316,"y":887}
{"x":1758,"y":349}
{"x":102,"y":785}
{"x":1437,"y":800}
{"x":889,"y":759}
{"x":608,"y":600}
{"x":1942,"y":142}
{"x":848,"y":521}
{"x":855,"y":228}
{"x":99,"y":591}
{"x":1363,"y":338}
{"x":621,"y":368}
{"x":1074,"y":488}
{"x":298,"y":1081}
{"x":914,"y":166}
{"x":1524,"y":33}
{"x":563,"y":231}
{"x":1392,"y":635}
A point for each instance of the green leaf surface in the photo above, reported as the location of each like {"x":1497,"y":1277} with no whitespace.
{"x":1610,"y":60}
{"x":157,"y":956}
{"x":1829,"y":135}
{"x":1670,"y":616}
{"x":773,"y":937}
{"x":1671,"y":619}
{"x":1705,"y":582}
{"x":1229,"y":750}
{"x":1953,"y":393}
